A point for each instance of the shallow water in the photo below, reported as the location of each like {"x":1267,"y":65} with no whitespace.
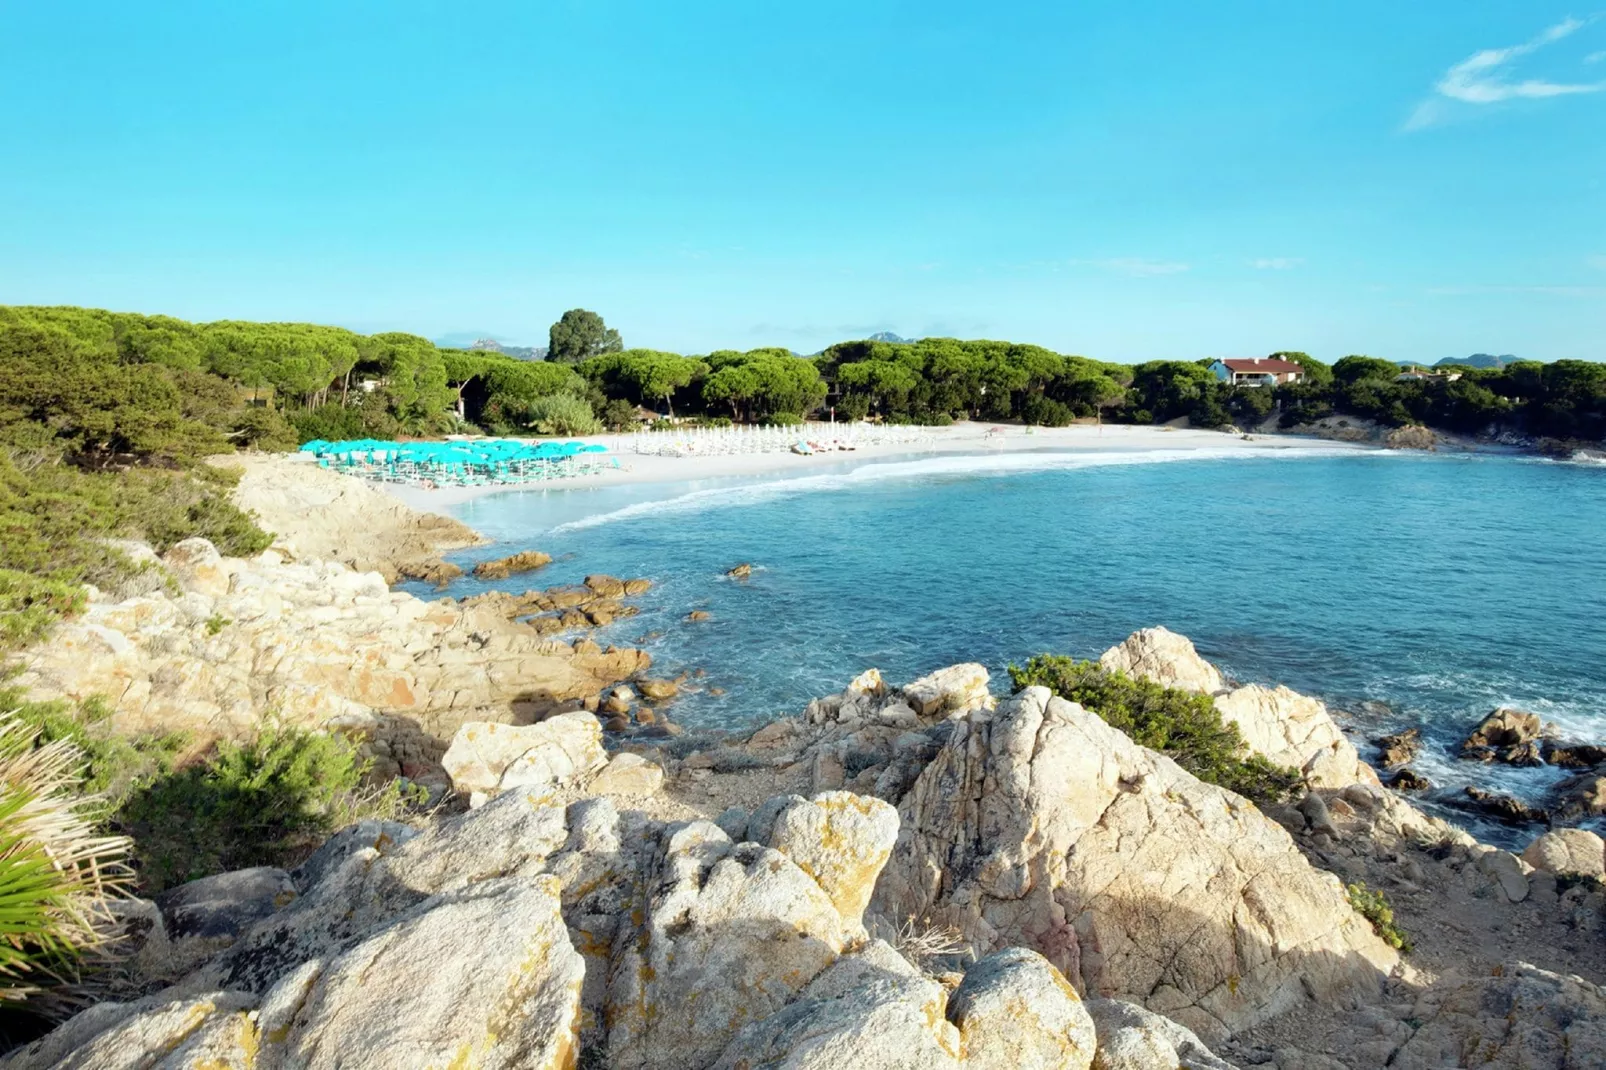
{"x":1403,"y":588}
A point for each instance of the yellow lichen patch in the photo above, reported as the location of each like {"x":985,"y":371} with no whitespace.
{"x":463,"y":1060}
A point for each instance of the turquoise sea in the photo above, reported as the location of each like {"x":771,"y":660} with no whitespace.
{"x":1402,"y":588}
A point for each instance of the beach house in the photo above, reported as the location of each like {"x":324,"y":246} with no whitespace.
{"x":1257,"y":371}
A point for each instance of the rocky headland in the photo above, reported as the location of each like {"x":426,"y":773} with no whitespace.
{"x":926,"y":875}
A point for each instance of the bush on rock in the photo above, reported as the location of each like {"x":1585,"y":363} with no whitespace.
{"x":1184,"y":726}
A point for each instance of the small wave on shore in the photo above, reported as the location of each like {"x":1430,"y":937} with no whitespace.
{"x":929,"y":468}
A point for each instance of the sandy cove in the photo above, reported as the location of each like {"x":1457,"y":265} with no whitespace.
{"x":968,"y":438}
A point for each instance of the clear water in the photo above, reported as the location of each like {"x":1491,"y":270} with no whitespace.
{"x":1403,"y":588}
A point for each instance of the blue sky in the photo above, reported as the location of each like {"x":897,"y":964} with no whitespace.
{"x":1127,"y":180}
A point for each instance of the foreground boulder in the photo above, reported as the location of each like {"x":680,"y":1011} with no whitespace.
{"x":514,"y":1001}
{"x":869,"y":1010}
{"x":1015,"y":1011}
{"x":734,"y":930}
{"x":1568,"y":853}
{"x":527,"y":934}
{"x":1043,"y":827}
{"x":488,"y":758}
{"x":1131,"y":1038}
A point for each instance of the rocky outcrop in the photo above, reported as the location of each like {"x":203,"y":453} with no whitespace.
{"x":956,"y":689}
{"x":1413,"y":437}
{"x":525,"y":932}
{"x":1131,"y":1038}
{"x":318,"y":644}
{"x":1568,"y":853}
{"x":1043,"y":827}
{"x":1507,"y":735}
{"x":1165,"y":657}
{"x":1282,"y":725}
{"x":1522,"y":1018}
{"x":1295,"y":730}
{"x":502,"y":567}
{"x":486,"y":757}
{"x":313,"y":514}
{"x":530,"y":934}
{"x":1399,"y":748}
{"x":564,"y":608}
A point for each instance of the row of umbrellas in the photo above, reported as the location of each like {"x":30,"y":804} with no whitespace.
{"x":490,"y":451}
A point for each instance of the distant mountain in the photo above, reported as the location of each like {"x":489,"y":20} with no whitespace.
{"x":888,"y":336}
{"x":1479,"y":360}
{"x":470,"y":340}
{"x":521,"y":352}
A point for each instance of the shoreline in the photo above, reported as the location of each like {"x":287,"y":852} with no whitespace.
{"x":957,"y":439}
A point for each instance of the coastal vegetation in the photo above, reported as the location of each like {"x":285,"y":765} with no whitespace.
{"x":56,"y":872}
{"x":108,"y":387}
{"x":1182,"y":725}
{"x":265,"y":802}
{"x":1374,"y":907}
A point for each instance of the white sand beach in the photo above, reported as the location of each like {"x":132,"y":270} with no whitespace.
{"x":960,"y":438}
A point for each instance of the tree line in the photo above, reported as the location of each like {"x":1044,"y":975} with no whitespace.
{"x":104,"y":386}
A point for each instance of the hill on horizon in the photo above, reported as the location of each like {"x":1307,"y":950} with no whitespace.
{"x":475,"y":340}
{"x":1479,"y":360}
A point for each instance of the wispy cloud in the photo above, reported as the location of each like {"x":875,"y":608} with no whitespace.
{"x":1277,"y":263}
{"x":1596,"y":262}
{"x":1483,"y":78}
{"x":1136,"y":267}
{"x":1553,"y":291}
{"x":1595,"y":57}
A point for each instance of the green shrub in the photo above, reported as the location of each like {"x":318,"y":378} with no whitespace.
{"x":30,"y":605}
{"x":1182,"y":725}
{"x":1374,"y":907}
{"x":265,"y":802}
{"x":618,"y":415}
{"x":263,"y":427}
{"x":56,"y":873}
{"x":113,"y":763}
{"x":1046,"y":412}
{"x":562,"y":414}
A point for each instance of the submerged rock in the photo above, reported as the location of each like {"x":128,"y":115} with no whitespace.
{"x":1399,"y":748}
{"x":1409,"y":780}
{"x":1579,"y":798}
{"x":1507,"y":808}
{"x":503,"y":567}
{"x":1506,"y":735}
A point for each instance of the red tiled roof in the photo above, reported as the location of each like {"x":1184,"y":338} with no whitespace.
{"x":1263,"y":364}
